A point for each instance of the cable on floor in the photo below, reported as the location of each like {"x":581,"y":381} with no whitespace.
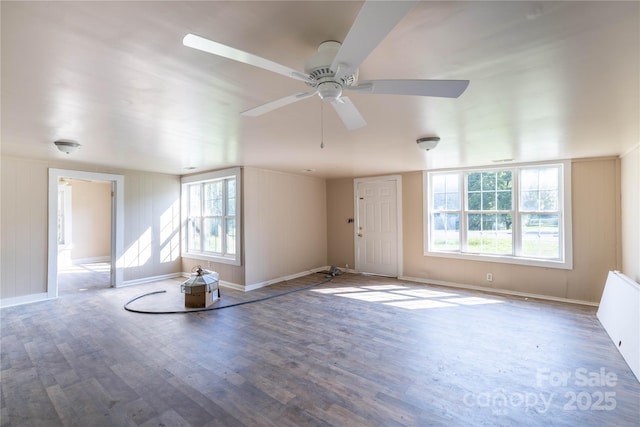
{"x":327,"y":279}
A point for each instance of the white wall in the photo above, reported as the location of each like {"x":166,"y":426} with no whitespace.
{"x":630,"y":209}
{"x":285,"y":229}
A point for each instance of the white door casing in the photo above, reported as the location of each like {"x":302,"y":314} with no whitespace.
{"x":378,"y":242}
{"x":117,"y":224}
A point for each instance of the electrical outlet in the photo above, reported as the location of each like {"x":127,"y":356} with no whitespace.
{"x":489,"y":277}
{"x":346,"y":266}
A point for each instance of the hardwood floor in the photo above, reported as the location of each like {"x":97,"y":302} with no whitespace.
{"x":356,"y":351}
{"x":83,"y":277}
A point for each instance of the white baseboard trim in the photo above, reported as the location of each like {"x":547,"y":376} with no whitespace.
{"x":222,"y":283}
{"x":497,"y":291}
{"x":231,"y":285}
{"x":247,"y":288}
{"x":150,"y":279}
{"x":25,"y":299}
{"x":91,"y":260}
{"x":282,"y":279}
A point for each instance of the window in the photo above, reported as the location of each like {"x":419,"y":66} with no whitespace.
{"x":519,"y":214}
{"x":210,"y":205}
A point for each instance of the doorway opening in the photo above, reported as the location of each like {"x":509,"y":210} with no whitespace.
{"x":84,"y":235}
{"x":85,"y":231}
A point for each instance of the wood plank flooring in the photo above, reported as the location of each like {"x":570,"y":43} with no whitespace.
{"x":356,"y":351}
{"x":83,"y":277}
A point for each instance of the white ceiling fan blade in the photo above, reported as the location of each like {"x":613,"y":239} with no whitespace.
{"x":441,"y":88}
{"x":205,"y":45}
{"x":375,"y":20}
{"x":349,"y":114}
{"x":270,"y":106}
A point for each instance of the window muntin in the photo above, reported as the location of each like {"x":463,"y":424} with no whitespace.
{"x":511,"y":214}
{"x":210,"y":203}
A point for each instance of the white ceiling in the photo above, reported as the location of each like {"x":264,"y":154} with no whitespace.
{"x":548,"y":80}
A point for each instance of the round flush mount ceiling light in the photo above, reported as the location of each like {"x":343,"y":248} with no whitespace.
{"x":428,"y":142}
{"x":67,"y":146}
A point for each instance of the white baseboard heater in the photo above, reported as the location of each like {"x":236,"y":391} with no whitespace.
{"x":619,"y":313}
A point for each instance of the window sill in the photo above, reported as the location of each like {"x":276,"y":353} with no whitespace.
{"x":531,"y":262}
{"x":212,"y":258}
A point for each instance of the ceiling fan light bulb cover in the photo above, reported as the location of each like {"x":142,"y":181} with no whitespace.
{"x":329,"y":91}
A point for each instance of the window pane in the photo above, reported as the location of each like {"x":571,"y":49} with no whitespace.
{"x":213,"y":198}
{"x":490,"y":234}
{"x":438,"y":183}
{"x":445,"y":231}
{"x":541,"y":236}
{"x":194,"y":200}
{"x":212,"y":234}
{"x":548,"y":178}
{"x":231,"y":197}
{"x":529,"y":201}
{"x":452,"y":183}
{"x":193,"y":231}
{"x":474,"y":222}
{"x":489,"y":222}
{"x":548,"y":200}
{"x":540,"y":189}
{"x":488,"y":201}
{"x":231,"y":236}
{"x":453,"y":201}
{"x":473,"y":182}
{"x":504,"y":200}
{"x":529,"y":179}
{"x":474,"y":201}
{"x":488,"y":181}
{"x":504,"y":180}
{"x":446,"y":192}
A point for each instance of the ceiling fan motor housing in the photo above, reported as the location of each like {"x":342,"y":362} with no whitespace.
{"x":318,"y":66}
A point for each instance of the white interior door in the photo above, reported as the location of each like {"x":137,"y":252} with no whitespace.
{"x":377,"y":231}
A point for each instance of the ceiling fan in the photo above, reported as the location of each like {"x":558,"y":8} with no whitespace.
{"x":334,"y":67}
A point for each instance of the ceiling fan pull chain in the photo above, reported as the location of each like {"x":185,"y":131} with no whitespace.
{"x":321,"y":124}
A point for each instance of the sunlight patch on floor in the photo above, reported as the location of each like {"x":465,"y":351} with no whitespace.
{"x":472,"y":301}
{"x":338,"y":290}
{"x":406,"y":297}
{"x":420,"y":303}
{"x":102,"y":267}
{"x":373,"y":296}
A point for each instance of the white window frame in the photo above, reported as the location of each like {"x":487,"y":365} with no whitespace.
{"x":235,"y":258}
{"x":565,"y":229}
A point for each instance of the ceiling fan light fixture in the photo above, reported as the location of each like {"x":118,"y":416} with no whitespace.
{"x":67,"y":146}
{"x":428,"y":142}
{"x":329,"y":91}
